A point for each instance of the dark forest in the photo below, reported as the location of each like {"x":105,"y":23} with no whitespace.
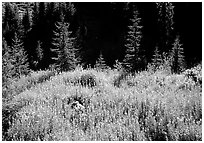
{"x":101,"y":28}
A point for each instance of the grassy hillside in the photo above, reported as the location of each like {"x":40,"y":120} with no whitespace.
{"x":103,"y":105}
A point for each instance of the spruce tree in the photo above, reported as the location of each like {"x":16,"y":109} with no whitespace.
{"x":63,"y":47}
{"x":51,"y":14}
{"x":14,"y":59}
{"x":44,"y":34}
{"x":100,"y":63}
{"x":70,"y":10}
{"x":166,"y":25}
{"x":39,"y":53}
{"x":118,"y":65}
{"x":78,"y":44}
{"x":26,"y":21}
{"x":26,"y":28}
{"x":157,"y":58}
{"x":7,"y":68}
{"x":177,"y":55}
{"x":133,"y":58}
{"x":31,"y":35}
{"x":35,"y":14}
{"x":10,"y":22}
{"x":19,"y":56}
{"x":6,"y":62}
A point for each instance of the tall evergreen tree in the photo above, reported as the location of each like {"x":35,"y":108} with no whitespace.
{"x":70,"y":11}
{"x":35,"y":14}
{"x":14,"y":59}
{"x":45,"y":32}
{"x":10,"y":24}
{"x":31,"y":35}
{"x":65,"y":57}
{"x":133,"y":59}
{"x":39,"y":53}
{"x":166,"y":25}
{"x":6,"y":62}
{"x":177,"y":55}
{"x":7,"y":67}
{"x":78,"y":44}
{"x":51,"y":13}
{"x":26,"y":21}
{"x":19,"y":56}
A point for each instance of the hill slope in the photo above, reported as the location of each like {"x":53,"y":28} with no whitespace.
{"x":85,"y":105}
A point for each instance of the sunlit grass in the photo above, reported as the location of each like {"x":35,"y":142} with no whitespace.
{"x":144,"y":107}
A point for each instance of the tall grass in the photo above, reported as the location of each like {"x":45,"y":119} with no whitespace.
{"x":144,"y":107}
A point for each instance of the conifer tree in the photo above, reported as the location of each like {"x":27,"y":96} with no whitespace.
{"x":157,"y":59}
{"x":35,"y":14}
{"x":31,"y":35}
{"x":166,"y":27}
{"x":70,"y":11}
{"x":177,"y":55}
{"x":26,"y":21}
{"x":100,"y":63}
{"x":63,"y":48}
{"x":7,"y":67}
{"x":133,"y":58}
{"x":118,"y":65}
{"x":19,"y":56}
{"x":25,"y":29}
{"x":14,"y":59}
{"x":44,"y":34}
{"x":39,"y":55}
{"x":6,"y":62}
{"x":78,"y":44}
{"x":51,"y":14}
{"x":10,"y":24}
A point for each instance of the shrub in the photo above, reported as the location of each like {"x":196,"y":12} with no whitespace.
{"x":88,"y":80}
{"x":194,"y":74}
{"x":17,"y":86}
{"x":118,"y":80}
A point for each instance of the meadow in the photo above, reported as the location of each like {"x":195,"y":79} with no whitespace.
{"x":103,"y":105}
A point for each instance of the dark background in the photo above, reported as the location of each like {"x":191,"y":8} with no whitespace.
{"x":107,"y":23}
{"x":103,"y":27}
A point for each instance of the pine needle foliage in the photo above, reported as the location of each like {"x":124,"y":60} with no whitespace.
{"x":19,"y":56}
{"x":6,"y":62}
{"x":177,"y":54}
{"x":10,"y":22}
{"x":14,"y":63}
{"x":157,"y":59}
{"x":35,"y":14}
{"x":63,"y":48}
{"x":100,"y":63}
{"x":166,"y":14}
{"x":133,"y":57}
{"x":166,"y":25}
{"x":39,"y":54}
{"x":118,"y":65}
{"x":26,"y":21}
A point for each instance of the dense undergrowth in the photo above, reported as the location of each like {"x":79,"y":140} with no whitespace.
{"x":104,"y":105}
